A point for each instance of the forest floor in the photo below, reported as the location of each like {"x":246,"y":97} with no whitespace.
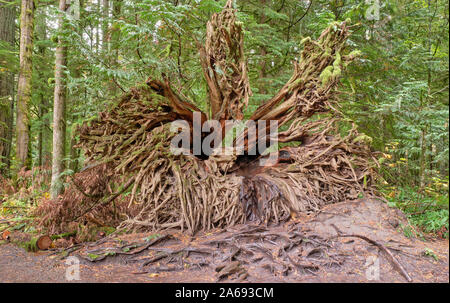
{"x":304,"y":249}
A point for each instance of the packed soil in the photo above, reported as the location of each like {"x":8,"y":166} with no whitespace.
{"x":305,"y":249}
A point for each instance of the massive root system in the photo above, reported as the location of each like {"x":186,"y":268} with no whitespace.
{"x":135,"y":182}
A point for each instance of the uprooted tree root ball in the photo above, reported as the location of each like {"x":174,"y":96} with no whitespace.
{"x":134,"y":182}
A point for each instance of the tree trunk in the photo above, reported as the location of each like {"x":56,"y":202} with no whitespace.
{"x":105,"y":26}
{"x":24,"y":85}
{"x":7,"y":29}
{"x":115,"y":35}
{"x":44,"y":153}
{"x":97,"y":30}
{"x":59,"y":104}
{"x":423,"y":149}
{"x":263,"y":53}
{"x":74,"y":100}
{"x":74,"y":155}
{"x":115,"y":43}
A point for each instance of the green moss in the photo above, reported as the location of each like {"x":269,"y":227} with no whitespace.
{"x":305,"y":40}
{"x":364,"y":138}
{"x":31,"y":246}
{"x":295,"y":83}
{"x":336,"y":72}
{"x":337,"y":61}
{"x":64,"y":235}
{"x":354,"y":54}
{"x":313,"y":56}
{"x":93,"y":256}
{"x":108,"y":230}
{"x":327,"y":52}
{"x":326,"y":74}
{"x":335,"y":25}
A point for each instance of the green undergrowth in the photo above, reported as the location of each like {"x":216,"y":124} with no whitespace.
{"x":426,"y":210}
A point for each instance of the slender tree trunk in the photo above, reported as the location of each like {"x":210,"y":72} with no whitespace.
{"x":423,"y":149}
{"x":97,"y":30}
{"x":74,"y":152}
{"x":44,"y":152}
{"x":74,"y":155}
{"x":424,"y":104}
{"x":105,"y":26}
{"x":263,"y":53}
{"x":115,"y":40}
{"x":40,"y":137}
{"x":76,"y":66}
{"x":59,"y":104}
{"x":7,"y":29}
{"x":24,"y":85}
{"x":43,"y":136}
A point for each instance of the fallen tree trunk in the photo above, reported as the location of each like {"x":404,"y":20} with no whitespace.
{"x":130,"y":144}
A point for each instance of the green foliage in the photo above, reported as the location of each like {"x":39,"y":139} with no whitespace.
{"x":399,"y":89}
{"x":430,"y":253}
{"x":93,"y":256}
{"x":152,"y":237}
{"x":429,"y":211}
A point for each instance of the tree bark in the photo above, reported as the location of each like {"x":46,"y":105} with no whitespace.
{"x":74,"y":99}
{"x":44,"y":152}
{"x":105,"y":26}
{"x":7,"y":30}
{"x":263,"y":53}
{"x":74,"y":155}
{"x":59,"y":105}
{"x":24,"y":85}
{"x":115,"y":37}
{"x":115,"y":34}
{"x":97,"y":29}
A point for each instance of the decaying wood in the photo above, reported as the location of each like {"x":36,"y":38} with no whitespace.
{"x":44,"y":242}
{"x":6,"y":235}
{"x":40,"y":243}
{"x":129,"y":147}
{"x":224,"y":65}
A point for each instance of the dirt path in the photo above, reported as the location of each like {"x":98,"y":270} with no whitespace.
{"x":17,"y":265}
{"x":252,"y":253}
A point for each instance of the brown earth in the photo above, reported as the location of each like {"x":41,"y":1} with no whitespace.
{"x":305,"y":249}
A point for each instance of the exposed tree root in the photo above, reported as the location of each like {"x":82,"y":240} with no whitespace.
{"x":128,"y":146}
{"x":237,"y":254}
{"x":397,"y":264}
